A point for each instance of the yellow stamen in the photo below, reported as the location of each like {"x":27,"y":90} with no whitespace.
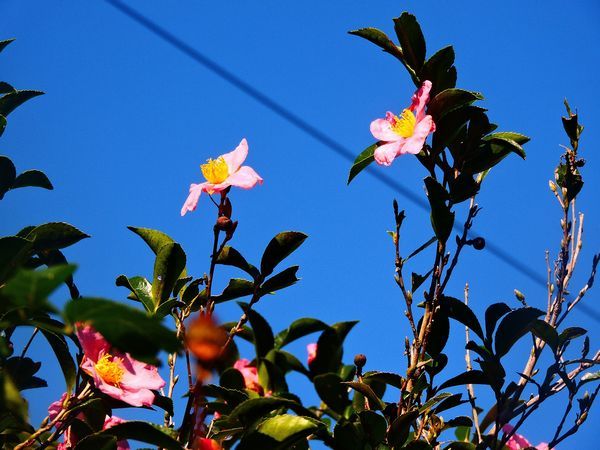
{"x":110,"y":369}
{"x":405,"y":124}
{"x":215,"y":170}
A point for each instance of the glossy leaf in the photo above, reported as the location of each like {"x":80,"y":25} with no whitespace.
{"x":469,"y":377}
{"x":286,"y":429}
{"x":153,"y":238}
{"x":12,"y":100}
{"x":374,"y":401}
{"x":14,"y":251}
{"x":513,"y":326}
{"x":440,"y":70}
{"x":128,"y":329}
{"x":55,"y":235}
{"x":254,"y":408}
{"x":168,"y":267}
{"x":442,"y":219}
{"x":491,"y":152}
{"x":380,"y":39}
{"x":546,"y":333}
{"x":329,"y":353}
{"x":280,"y":281}
{"x":392,"y":379}
{"x":400,"y":427}
{"x":271,"y":377}
{"x":263,"y":334}
{"x":331,"y":390}
{"x":429,"y":404}
{"x":231,"y":257}
{"x":298,"y":329}
{"x":141,"y":290}
{"x":362,"y":161}
{"x":459,"y":445}
{"x":493,"y":313}
{"x":4,"y":43}
{"x":457,"y":310}
{"x":411,"y":40}
{"x":7,"y":174}
{"x":236,"y":288}
{"x":375,"y":426}
{"x":280,"y":247}
{"x":32,"y":178}
{"x":232,"y":379}
{"x":450,"y":100}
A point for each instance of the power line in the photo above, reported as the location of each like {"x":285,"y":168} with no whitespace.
{"x":316,"y":133}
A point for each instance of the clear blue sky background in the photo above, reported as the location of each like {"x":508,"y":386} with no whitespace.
{"x":127,"y":120}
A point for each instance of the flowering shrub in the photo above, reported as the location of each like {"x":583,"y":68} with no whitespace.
{"x":109,"y":351}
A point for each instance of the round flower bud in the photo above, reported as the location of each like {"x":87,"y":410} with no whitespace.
{"x":223,"y":223}
{"x":360,"y":360}
{"x":479,"y":243}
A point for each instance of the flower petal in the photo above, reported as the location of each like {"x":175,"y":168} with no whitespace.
{"x":140,"y":375}
{"x":414,"y":144}
{"x":91,"y":342}
{"x":420,"y":99}
{"x":235,"y":158}
{"x":386,"y":153}
{"x":381,"y":129}
{"x":192,"y":200}
{"x":245,"y":178}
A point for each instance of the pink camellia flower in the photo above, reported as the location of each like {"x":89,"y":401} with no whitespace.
{"x":312,"y":352}
{"x":518,"y":442}
{"x":117,"y":374}
{"x":250,"y":375}
{"x":208,"y":444}
{"x":405,"y":133}
{"x":220,"y":173}
{"x":55,"y":408}
{"x":111,"y":422}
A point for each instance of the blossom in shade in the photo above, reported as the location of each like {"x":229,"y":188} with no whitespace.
{"x":518,"y":442}
{"x":250,"y":375}
{"x":405,"y":133}
{"x":312,"y":352}
{"x":111,"y":422}
{"x":220,"y":173}
{"x":117,"y":374}
{"x":55,"y":408}
{"x":208,"y":444}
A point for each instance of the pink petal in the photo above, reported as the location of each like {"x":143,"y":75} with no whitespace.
{"x":414,"y":144}
{"x":192,"y":201}
{"x":91,"y":342}
{"x":311,"y":349}
{"x":386,"y":153}
{"x":420,"y":100}
{"x":245,"y":178}
{"x":235,"y":158}
{"x":141,"y":375}
{"x":381,"y":129}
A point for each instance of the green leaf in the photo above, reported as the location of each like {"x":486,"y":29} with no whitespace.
{"x":232,"y":396}
{"x":450,"y":100}
{"x":331,"y":390}
{"x":457,"y":310}
{"x":462,"y":188}
{"x":12,"y":100}
{"x":4,"y":43}
{"x":154,"y":238}
{"x":392,"y":379}
{"x":7,"y":174}
{"x":375,"y":426}
{"x":31,"y":288}
{"x":263,"y":334}
{"x":513,"y":326}
{"x":14,"y":251}
{"x":141,"y":289}
{"x":2,"y":124}
{"x":271,"y":377}
{"x":400,"y":427}
{"x":362,"y":161}
{"x":232,"y":379}
{"x":140,"y":431}
{"x":32,"y":178}
{"x":329,"y":353}
{"x":438,"y":334}
{"x":570,"y":333}
{"x":491,"y":151}
{"x":440,"y":70}
{"x":236,"y":288}
{"x":442,"y":219}
{"x":411,"y":40}
{"x":63,"y":355}
{"x":168,"y":266}
{"x":229,"y":256}
{"x":374,"y":401}
{"x":493,"y":313}
{"x":434,"y":401}
{"x":380,"y":39}
{"x":255,"y":408}
{"x":5,"y":88}
{"x":298,"y":329}
{"x":280,"y":281}
{"x":55,"y":235}
{"x":286,"y":429}
{"x":546,"y":333}
{"x":417,"y":280}
{"x":22,"y":371}
{"x":128,"y":329}
{"x":469,"y":377}
{"x":280,"y":247}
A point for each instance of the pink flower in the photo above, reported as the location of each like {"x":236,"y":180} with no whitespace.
{"x":55,"y":408}
{"x":406,"y":133}
{"x":208,"y":444}
{"x":312,"y":352}
{"x":117,"y":374}
{"x":250,"y":375}
{"x":220,"y":173}
{"x":111,"y":422}
{"x":518,"y":442}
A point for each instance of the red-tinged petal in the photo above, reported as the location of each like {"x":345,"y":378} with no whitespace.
{"x":414,"y":144}
{"x":235,"y":158}
{"x":245,"y":178}
{"x":386,"y":153}
{"x":420,"y":100}
{"x":192,"y":200}
{"x":140,"y":375}
{"x":381,"y":129}
{"x":91,"y":342}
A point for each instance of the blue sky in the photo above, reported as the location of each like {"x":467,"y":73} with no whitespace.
{"x":127,"y":119}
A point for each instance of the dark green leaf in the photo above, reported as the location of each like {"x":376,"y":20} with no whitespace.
{"x":280,"y":247}
{"x":154,"y":238}
{"x":282,"y":280}
{"x":141,"y":289}
{"x":417,"y":280}
{"x":55,"y":235}
{"x":329,"y":353}
{"x":442,"y":219}
{"x":374,"y":401}
{"x":513,"y":326}
{"x":392,"y":379}
{"x":449,"y":403}
{"x":263,"y":334}
{"x":2,"y":124}
{"x":457,"y":310}
{"x":63,"y":356}
{"x":168,"y":266}
{"x":380,"y":39}
{"x":165,"y":403}
{"x":22,"y":371}
{"x":236,"y":288}
{"x":128,"y":329}
{"x":9,"y":102}
{"x":570,"y":333}
{"x":7,"y":175}
{"x":462,"y":188}
{"x":375,"y":426}
{"x":271,"y":377}
{"x":14,"y":251}
{"x":438,"y":334}
{"x":232,"y":379}
{"x":460,"y":421}
{"x":450,"y":100}
{"x":411,"y":40}
{"x":286,"y":429}
{"x":469,"y":377}
{"x":429,"y":404}
{"x":331,"y":390}
{"x":298,"y":329}
{"x":400,"y":427}
{"x":254,"y":408}
{"x":143,"y":432}
{"x":440,"y":70}
{"x":32,"y":178}
{"x":362,"y":161}
{"x":232,"y":396}
{"x":4,"y":43}
{"x":546,"y":333}
{"x":6,"y":88}
{"x":493,"y":313}
{"x":231,"y":257}
{"x":491,"y":151}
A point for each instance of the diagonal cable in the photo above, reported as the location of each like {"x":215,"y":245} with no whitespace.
{"x":315,"y":133}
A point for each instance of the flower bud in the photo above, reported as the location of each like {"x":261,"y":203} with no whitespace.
{"x":360,"y":360}
{"x":478,"y":243}
{"x":223,"y":223}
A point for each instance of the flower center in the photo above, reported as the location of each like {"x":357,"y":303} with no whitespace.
{"x":405,"y":124}
{"x":110,"y":369}
{"x":215,"y":170}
